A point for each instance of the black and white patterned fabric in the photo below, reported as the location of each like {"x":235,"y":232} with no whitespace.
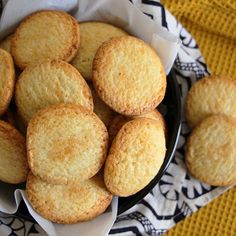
{"x":178,"y":194}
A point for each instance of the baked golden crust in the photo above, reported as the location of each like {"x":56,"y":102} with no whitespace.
{"x":135,"y":156}
{"x":9,"y":117}
{"x":116,"y":124}
{"x":68,"y":204}
{"x":103,"y":111}
{"x":49,"y":83}
{"x":92,"y":35}
{"x":5,"y":44}
{"x":7,"y":80}
{"x":119,"y":121}
{"x":209,"y":96}
{"x":13,"y":160}
{"x":210,"y":151}
{"x":45,"y":35}
{"x":128,"y":75}
{"x":66,"y":144}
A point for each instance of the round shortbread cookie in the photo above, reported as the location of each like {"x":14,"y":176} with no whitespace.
{"x":128,"y":76}
{"x":68,"y":204}
{"x":9,"y":117}
{"x":135,"y":156}
{"x":92,"y":35}
{"x":209,"y":96}
{"x":103,"y":111}
{"x":45,"y":35}
{"x":13,"y":160}
{"x":7,"y":80}
{"x":116,"y":124}
{"x":20,"y":124}
{"x":5,"y":44}
{"x":119,"y":121}
{"x":12,"y":117}
{"x":210,"y":151}
{"x":66,"y":144}
{"x":49,"y":83}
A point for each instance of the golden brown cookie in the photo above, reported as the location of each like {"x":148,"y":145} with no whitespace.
{"x":5,"y":44}
{"x":92,"y":35}
{"x":155,"y":115}
{"x":210,"y":151}
{"x":209,"y":96}
{"x":45,"y":35}
{"x":9,"y":117}
{"x":101,"y":109}
{"x":7,"y":80}
{"x":12,"y":117}
{"x":119,"y":121}
{"x":128,"y":75}
{"x":116,"y":124}
{"x":20,"y":124}
{"x":48,"y":83}
{"x":68,"y":204}
{"x":135,"y":156}
{"x":13,"y":160}
{"x":66,"y":144}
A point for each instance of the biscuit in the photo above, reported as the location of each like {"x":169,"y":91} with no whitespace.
{"x":210,"y":151}
{"x":101,"y":109}
{"x":45,"y":35}
{"x":135,"y":156}
{"x":119,"y":121}
{"x":116,"y":124}
{"x":13,"y":160}
{"x":19,"y":123}
{"x":5,"y":44}
{"x":92,"y":35}
{"x":128,"y":76}
{"x":209,"y":96}
{"x":9,"y":117}
{"x":67,"y":204}
{"x":66,"y":144}
{"x":48,"y":83}
{"x":7,"y":80}
{"x":12,"y":117}
{"x":155,"y":115}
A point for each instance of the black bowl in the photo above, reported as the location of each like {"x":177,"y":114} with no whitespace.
{"x":172,"y":103}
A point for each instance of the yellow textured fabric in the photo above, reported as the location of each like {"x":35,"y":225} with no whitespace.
{"x":218,"y":218}
{"x":213,"y":24}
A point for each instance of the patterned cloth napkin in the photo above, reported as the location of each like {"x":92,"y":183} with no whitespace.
{"x":178,"y":194}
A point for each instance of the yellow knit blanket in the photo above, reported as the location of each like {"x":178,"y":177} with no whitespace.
{"x":213,"y":24}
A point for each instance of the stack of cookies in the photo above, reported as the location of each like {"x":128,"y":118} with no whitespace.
{"x":78,"y":81}
{"x":211,"y":112}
